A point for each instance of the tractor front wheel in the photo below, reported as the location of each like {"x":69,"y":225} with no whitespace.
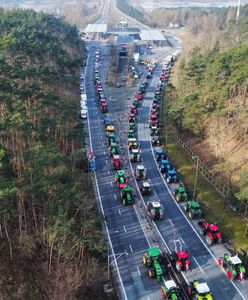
{"x":151,"y":272}
{"x":191,"y":215}
{"x":185,"y":207}
{"x":177,"y":198}
{"x":144,"y":260}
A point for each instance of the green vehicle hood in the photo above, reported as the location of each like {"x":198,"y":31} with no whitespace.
{"x":208,"y":297}
{"x":154,"y":252}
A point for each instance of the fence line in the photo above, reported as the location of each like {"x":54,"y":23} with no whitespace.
{"x":224,"y":191}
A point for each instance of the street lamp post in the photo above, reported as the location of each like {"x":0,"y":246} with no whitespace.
{"x":196,"y":174}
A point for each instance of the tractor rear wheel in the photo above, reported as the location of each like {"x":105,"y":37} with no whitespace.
{"x":241,"y":276}
{"x":220,"y":262}
{"x":144,"y":260}
{"x":229,"y":274}
{"x":185,"y":207}
{"x":191,"y":216}
{"x":209,"y":241}
{"x":151,"y":272}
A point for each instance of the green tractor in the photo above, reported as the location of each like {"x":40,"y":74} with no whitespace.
{"x":111,"y":138}
{"x":130,"y":132}
{"x":154,"y":261}
{"x":132,"y":126}
{"x":127,"y":195}
{"x":233,"y":267}
{"x":199,"y":291}
{"x":170,"y":291}
{"x":120,"y":179}
{"x":180,"y":194}
{"x":194,"y":209}
{"x":113,"y":150}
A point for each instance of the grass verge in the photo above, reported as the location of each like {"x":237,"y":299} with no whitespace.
{"x":214,"y":206}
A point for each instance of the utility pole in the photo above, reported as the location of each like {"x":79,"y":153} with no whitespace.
{"x":238,"y":11}
{"x":196,"y":174}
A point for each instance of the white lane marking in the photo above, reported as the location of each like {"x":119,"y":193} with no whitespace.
{"x":106,"y":162}
{"x":171,"y":222}
{"x":100,"y":200}
{"x":124,"y":228}
{"x":131,"y":249}
{"x":115,"y":199}
{"x":119,"y":211}
{"x":104,"y":152}
{"x":138,"y":270}
{"x":237,"y":289}
{"x":155,"y":193}
{"x":111,"y":183}
{"x":198,"y":264}
{"x":108,"y":172}
{"x":182,"y":240}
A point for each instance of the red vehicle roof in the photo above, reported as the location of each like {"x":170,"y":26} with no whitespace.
{"x":183,"y":254}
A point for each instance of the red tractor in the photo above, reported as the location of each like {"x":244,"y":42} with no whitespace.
{"x":116,"y":162}
{"x":153,"y":120}
{"x":133,"y":110}
{"x":154,"y":112}
{"x":103,"y":106}
{"x":211,"y":232}
{"x":181,"y":260}
{"x":138,"y":96}
{"x":131,"y":117}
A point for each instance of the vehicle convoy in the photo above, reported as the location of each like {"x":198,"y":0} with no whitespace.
{"x":120,"y":179}
{"x":181,"y":260}
{"x":135,"y":155}
{"x":145,"y":188}
{"x":155,"y":210}
{"x":233,"y":267}
{"x":127,"y":195}
{"x":153,"y":259}
{"x":194,"y":209}
{"x":116,"y":162}
{"x":180,"y":194}
{"x":140,"y":172}
{"x":211,"y":232}
{"x":199,"y":291}
{"x":170,"y":291}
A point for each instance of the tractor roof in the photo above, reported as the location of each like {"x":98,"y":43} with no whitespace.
{"x":235,"y":260}
{"x":113,"y":144}
{"x":172,"y":172}
{"x":156,"y":204}
{"x":182,"y":254}
{"x":111,"y":134}
{"x":165,"y":161}
{"x":116,"y":156}
{"x":181,"y":189}
{"x":202,"y":288}
{"x":135,"y":151}
{"x":110,"y":128}
{"x":213,"y":227}
{"x":146,"y":184}
{"x":132,"y":140}
{"x":106,"y":119}
{"x":194,"y":204}
{"x":120,"y":173}
{"x":127,"y":188}
{"x":170,"y":284}
{"x":159,"y":150}
{"x":154,"y":252}
{"x":140,"y":167}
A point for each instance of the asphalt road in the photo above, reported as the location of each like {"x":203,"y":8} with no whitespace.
{"x":176,"y":228}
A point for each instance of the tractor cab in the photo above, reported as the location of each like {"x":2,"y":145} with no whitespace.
{"x":172,"y":176}
{"x":154,"y":130}
{"x":111,"y":138}
{"x":133,"y":110}
{"x":156,"y":141}
{"x":132,"y":143}
{"x":180,"y":194}
{"x":91,"y":161}
{"x":181,"y":260}
{"x":194,"y":209}
{"x":155,"y":210}
{"x":164,"y":166}
{"x":160,"y":154}
{"x":120,"y":179}
{"x":138,"y":96}
{"x":140,"y":172}
{"x":132,"y":126}
{"x":130,"y":133}
{"x":153,"y":120}
{"x":154,"y":261}
{"x":145,"y":188}
{"x":135,"y":103}
{"x":113,"y":150}
{"x":106,"y":121}
{"x":104,"y":107}
{"x":199,"y":291}
{"x":170,"y":291}
{"x":116,"y":162}
{"x":211,"y":232}
{"x":135,"y":155}
{"x":233,"y":266}
{"x":127,"y":195}
{"x":131,"y":117}
{"x":110,"y":129}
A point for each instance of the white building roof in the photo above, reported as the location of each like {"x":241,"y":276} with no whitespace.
{"x":96,"y":28}
{"x":151,"y":35}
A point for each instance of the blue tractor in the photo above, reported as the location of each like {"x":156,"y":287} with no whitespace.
{"x":107,"y":121}
{"x":172,"y":176}
{"x":160,"y":154}
{"x":164,"y":166}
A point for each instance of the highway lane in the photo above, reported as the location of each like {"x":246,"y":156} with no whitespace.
{"x":124,"y":227}
{"x":176,"y":227}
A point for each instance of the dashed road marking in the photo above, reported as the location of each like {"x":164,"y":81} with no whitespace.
{"x":171,"y":222}
{"x":131,"y":249}
{"x":182,"y":240}
{"x":198,"y":264}
{"x":138,"y":271}
{"x":124,"y":228}
{"x":119,"y":211}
